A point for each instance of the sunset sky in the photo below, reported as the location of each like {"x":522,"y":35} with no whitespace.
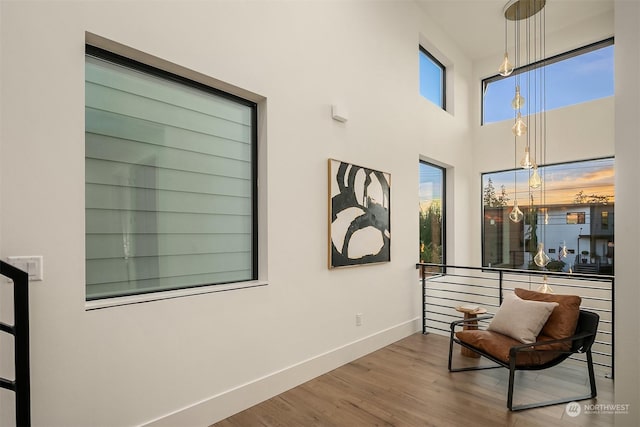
{"x":561,"y":182}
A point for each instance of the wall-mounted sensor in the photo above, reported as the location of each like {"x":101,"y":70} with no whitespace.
{"x":338,"y":113}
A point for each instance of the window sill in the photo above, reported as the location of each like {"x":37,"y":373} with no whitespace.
{"x":163,"y":295}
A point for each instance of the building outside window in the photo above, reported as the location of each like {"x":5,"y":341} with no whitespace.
{"x":578,"y":196}
{"x":170,"y":181}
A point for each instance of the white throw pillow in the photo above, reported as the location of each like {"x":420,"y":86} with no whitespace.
{"x":521,"y":319}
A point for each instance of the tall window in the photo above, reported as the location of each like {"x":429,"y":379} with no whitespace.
{"x":571,"y":78}
{"x":432,"y":79}
{"x":604,"y":220}
{"x":568,"y":221}
{"x":432,"y":213}
{"x":170,"y":181}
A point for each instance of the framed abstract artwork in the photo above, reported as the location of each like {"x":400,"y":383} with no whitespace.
{"x":359,"y":215}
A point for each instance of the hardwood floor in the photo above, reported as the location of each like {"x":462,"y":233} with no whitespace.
{"x":407,"y":384}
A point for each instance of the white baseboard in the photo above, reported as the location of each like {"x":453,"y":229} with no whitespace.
{"x":225,"y":404}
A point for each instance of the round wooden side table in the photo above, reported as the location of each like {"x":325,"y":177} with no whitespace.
{"x":469,"y":315}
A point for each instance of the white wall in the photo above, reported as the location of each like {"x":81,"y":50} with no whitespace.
{"x":627,"y":384}
{"x":205,"y":357}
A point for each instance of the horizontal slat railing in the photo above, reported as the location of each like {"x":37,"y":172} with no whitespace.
{"x":446,"y":286}
{"x":21,"y":385}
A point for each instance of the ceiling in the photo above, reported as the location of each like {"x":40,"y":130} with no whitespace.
{"x":477,"y":26}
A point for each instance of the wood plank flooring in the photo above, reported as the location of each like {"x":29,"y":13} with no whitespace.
{"x":407,"y":384}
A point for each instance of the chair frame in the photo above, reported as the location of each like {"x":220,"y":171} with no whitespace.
{"x":581,"y":342}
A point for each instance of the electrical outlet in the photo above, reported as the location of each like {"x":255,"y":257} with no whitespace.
{"x":358,"y":319}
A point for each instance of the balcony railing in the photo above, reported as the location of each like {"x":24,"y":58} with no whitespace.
{"x":446,"y":286}
{"x":21,"y":384}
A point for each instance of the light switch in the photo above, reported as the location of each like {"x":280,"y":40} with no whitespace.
{"x":30,"y":264}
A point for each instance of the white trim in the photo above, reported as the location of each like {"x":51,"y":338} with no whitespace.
{"x":227,"y":403}
{"x":154,"y":61}
{"x":177,"y":293}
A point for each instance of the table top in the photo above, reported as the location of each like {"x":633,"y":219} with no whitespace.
{"x":469,"y":309}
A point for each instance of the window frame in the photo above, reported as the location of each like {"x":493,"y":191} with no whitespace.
{"x":443,"y":213}
{"x":538,"y":64}
{"x":93,"y":50}
{"x":483,"y":231}
{"x":443,"y":73}
{"x":580,"y":218}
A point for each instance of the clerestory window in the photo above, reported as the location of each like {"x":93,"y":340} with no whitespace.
{"x":432,"y":79}
{"x":581,"y":75}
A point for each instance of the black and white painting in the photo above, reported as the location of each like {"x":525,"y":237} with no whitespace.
{"x":359,"y":209}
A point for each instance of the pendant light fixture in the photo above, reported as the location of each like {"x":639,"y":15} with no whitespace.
{"x":541,"y":258}
{"x":518,"y":100}
{"x":534,"y":180}
{"x":516,"y":214}
{"x":520,"y":127}
{"x":563,"y":250}
{"x":545,"y":288}
{"x":506,"y":67}
{"x":529,"y":125}
{"x":526,"y":159}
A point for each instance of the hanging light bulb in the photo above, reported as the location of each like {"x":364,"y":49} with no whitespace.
{"x":519,"y":128}
{"x":546,"y":217}
{"x":506,"y":67}
{"x":516,"y":214}
{"x":563,"y":250}
{"x":535,"y":181}
{"x":541,"y":259}
{"x":518,"y":101}
{"x":526,"y":159}
{"x":545,"y":288}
